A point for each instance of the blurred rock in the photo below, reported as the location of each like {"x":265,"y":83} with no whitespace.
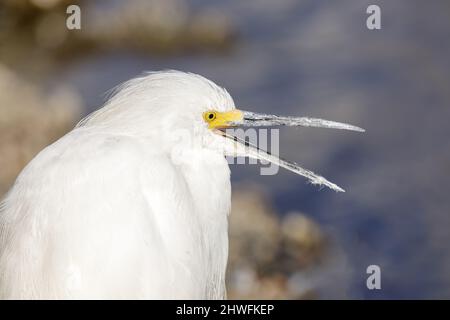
{"x":266,"y":251}
{"x":29,"y":121}
{"x":38,"y":40}
{"x":303,"y":240}
{"x":161,"y":27}
{"x":254,"y":230}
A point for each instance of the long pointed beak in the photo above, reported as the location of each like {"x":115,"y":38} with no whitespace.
{"x":246,"y":149}
{"x":238,"y":118}
{"x":251,"y":119}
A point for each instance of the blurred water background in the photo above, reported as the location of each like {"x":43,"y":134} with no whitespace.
{"x":292,"y":57}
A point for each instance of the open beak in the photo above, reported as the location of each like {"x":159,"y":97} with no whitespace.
{"x":238,"y":118}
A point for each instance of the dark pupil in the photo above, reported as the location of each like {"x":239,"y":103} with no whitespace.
{"x":210,"y":116}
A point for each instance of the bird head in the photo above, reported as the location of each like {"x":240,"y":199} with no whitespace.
{"x":187,"y":112}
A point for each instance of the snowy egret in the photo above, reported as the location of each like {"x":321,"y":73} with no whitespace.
{"x":133,"y":202}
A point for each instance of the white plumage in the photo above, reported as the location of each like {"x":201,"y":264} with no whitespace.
{"x":132,"y":203}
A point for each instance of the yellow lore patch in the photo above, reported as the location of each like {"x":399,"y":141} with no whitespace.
{"x":217,"y":120}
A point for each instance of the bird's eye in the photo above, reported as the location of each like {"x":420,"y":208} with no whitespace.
{"x":209,"y":116}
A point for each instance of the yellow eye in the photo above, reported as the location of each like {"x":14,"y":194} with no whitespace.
{"x":209,"y":116}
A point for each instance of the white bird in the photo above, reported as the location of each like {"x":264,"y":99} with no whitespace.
{"x":133,"y":202}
